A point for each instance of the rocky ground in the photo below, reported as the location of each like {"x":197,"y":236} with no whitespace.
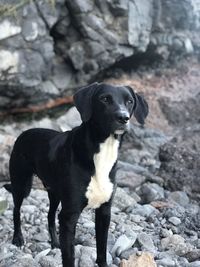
{"x":155,"y":214}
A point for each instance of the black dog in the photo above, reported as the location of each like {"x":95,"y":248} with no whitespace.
{"x":77,"y":167}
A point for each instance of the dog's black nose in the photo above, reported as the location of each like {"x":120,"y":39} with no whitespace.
{"x":122,"y":117}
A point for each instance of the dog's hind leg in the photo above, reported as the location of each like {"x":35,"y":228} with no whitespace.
{"x":54,"y":202}
{"x":18,"y":195}
{"x":21,"y":181}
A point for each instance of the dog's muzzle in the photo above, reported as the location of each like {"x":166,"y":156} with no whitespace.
{"x":122,"y":119}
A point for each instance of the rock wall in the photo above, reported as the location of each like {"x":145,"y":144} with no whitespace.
{"x":50,"y":46}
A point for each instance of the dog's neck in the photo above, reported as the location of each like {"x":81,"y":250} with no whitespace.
{"x":89,"y":140}
{"x":99,"y":134}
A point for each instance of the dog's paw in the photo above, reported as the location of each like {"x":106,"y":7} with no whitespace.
{"x":102,"y":265}
{"x":18,"y":241}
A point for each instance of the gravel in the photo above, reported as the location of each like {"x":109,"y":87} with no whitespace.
{"x":141,"y":228}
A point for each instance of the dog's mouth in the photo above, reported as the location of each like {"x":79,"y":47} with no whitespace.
{"x":119,"y":132}
{"x":122,"y":128}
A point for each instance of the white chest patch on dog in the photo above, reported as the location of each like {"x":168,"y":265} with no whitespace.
{"x":100,"y":187}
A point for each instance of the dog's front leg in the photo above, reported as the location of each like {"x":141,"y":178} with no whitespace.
{"x":102,"y":222}
{"x":67,"y":221}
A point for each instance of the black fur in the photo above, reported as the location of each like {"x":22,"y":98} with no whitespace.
{"x":64,"y":163}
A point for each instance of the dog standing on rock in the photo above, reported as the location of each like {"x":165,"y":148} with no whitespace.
{"x":77,"y":167}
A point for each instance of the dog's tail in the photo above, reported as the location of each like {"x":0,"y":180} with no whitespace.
{"x":8,"y":187}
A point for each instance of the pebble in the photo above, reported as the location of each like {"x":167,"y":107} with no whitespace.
{"x":172,"y":241}
{"x":123,"y":243}
{"x":179,"y":197}
{"x":166,"y":262}
{"x":146,"y":242}
{"x":150,"y":192}
{"x":194,"y":264}
{"x":144,"y":210}
{"x":174,"y":220}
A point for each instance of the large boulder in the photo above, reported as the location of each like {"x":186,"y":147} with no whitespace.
{"x":180,"y":162}
{"x":49,"y":47}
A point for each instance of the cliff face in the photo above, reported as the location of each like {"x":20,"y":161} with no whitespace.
{"x":49,"y":47}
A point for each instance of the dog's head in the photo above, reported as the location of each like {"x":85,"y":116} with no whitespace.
{"x":110,"y":107}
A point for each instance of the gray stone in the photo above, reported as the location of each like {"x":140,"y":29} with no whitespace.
{"x":177,"y":244}
{"x":166,"y":262}
{"x":174,"y":220}
{"x":122,"y":200}
{"x":30,"y":30}
{"x":42,"y":254}
{"x":194,"y":264}
{"x":77,"y":54}
{"x":49,"y":88}
{"x":146,"y":242}
{"x":31,"y":74}
{"x":144,"y":210}
{"x":189,"y":49}
{"x":24,"y":262}
{"x":179,"y":197}
{"x":49,"y":261}
{"x":150,"y":192}
{"x":123,"y":243}
{"x":9,"y":61}
{"x":172,"y":241}
{"x":62,"y":75}
{"x":6,"y":143}
{"x":193,"y":255}
{"x":8,"y":29}
{"x":42,"y":237}
{"x":86,"y":256}
{"x":138,"y":34}
{"x":129,"y":179}
{"x":69,"y":120}
{"x":166,"y":232}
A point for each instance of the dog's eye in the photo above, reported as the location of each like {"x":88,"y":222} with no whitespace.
{"x":105,"y":99}
{"x":130,"y":101}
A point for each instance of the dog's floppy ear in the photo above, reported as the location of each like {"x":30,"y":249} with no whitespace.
{"x":141,"y":108}
{"x":82,"y":101}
